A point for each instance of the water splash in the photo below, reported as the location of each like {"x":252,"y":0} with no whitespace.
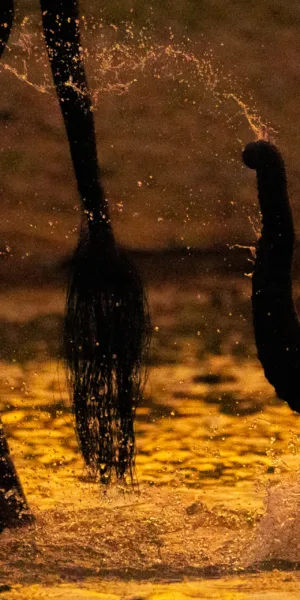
{"x":276,"y":536}
{"x":259,"y":128}
{"x":118,"y":66}
{"x":43,"y":89}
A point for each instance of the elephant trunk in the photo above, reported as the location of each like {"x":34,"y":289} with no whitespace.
{"x":276,"y":324}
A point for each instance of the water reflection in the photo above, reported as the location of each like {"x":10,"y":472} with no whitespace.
{"x":210,"y":438}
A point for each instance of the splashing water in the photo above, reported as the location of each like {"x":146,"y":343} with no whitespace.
{"x":276,"y":536}
{"x":255,"y":122}
{"x":205,"y":457}
{"x":116,"y":68}
{"x":176,"y":529}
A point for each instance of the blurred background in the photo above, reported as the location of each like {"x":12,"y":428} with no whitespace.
{"x":176,"y":86}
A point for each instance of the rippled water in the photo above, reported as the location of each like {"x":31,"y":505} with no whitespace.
{"x":216,"y":506}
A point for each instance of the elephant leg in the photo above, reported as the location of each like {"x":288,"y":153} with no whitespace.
{"x":14,"y":511}
{"x":13,"y":506}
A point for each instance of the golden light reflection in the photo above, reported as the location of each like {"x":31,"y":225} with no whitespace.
{"x":210,"y":438}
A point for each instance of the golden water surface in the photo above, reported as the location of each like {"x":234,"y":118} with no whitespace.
{"x":215,"y":509}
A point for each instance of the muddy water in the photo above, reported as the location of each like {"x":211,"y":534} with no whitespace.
{"x":215,"y":511}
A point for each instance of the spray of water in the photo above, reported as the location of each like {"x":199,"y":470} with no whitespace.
{"x":116,"y":69}
{"x":275,"y":539}
{"x":117,"y":66}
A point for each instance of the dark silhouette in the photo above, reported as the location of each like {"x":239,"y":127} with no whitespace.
{"x":13,"y":506}
{"x":107,"y":325}
{"x":276,"y":325}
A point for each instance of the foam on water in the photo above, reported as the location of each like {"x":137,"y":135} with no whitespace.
{"x":158,"y":534}
{"x":276,"y":538}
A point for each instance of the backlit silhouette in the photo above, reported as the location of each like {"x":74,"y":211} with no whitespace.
{"x":276,"y":325}
{"x":107,"y":321}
